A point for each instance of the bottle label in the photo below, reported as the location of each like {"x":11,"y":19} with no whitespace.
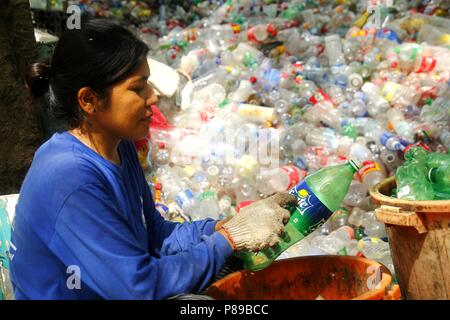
{"x":184,"y":197}
{"x":207,"y":195}
{"x":427,"y":64}
{"x":368,"y":166}
{"x":310,"y":213}
{"x":294,"y":177}
{"x":163,"y":210}
{"x":256,"y":113}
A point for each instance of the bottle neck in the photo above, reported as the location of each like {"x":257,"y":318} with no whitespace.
{"x":354,"y":165}
{"x":432,"y":175}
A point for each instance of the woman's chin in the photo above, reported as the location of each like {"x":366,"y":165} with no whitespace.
{"x":143,"y":130}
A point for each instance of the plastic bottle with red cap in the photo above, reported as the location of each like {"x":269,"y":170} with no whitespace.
{"x":279,"y":179}
{"x":371,"y":173}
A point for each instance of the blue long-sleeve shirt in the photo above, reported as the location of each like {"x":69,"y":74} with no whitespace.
{"x":86,"y":228}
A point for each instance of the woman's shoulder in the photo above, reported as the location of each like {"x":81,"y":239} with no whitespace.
{"x":62,"y":158}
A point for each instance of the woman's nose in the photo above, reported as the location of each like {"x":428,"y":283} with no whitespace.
{"x":152,"y":100}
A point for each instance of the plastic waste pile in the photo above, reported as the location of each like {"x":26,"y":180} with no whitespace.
{"x":131,"y":11}
{"x":279,"y":90}
{"x":150,"y":18}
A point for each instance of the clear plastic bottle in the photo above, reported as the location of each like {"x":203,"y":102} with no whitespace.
{"x":245,"y":190}
{"x":279,"y":179}
{"x":242,"y":93}
{"x":334,"y":51}
{"x":371,"y":173}
{"x":377,"y":104}
{"x":355,"y":80}
{"x":208,"y":206}
{"x":226,"y":208}
{"x":323,"y":137}
{"x":337,"y":240}
{"x":356,"y":194}
{"x":258,"y":33}
{"x":356,"y":217}
{"x":373,"y":248}
{"x":162,"y":157}
{"x":438,"y":111}
{"x":175,"y":189}
{"x":391,"y":142}
{"x":358,"y":108}
{"x":401,"y":126}
{"x":372,"y":227}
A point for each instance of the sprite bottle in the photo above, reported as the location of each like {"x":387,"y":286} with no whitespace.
{"x":318,"y":196}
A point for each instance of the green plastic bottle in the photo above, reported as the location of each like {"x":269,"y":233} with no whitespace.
{"x":440,"y":178}
{"x":412,"y":182}
{"x":411,"y":178}
{"x":318,"y":195}
{"x":436,"y":159}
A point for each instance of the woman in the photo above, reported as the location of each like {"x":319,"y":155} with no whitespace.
{"x":86,"y":225}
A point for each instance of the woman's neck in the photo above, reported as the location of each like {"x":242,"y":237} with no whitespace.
{"x":103,"y":144}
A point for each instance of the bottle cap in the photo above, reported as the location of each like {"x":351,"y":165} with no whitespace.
{"x":243,"y":204}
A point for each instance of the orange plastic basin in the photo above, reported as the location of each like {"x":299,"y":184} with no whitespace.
{"x":309,"y":278}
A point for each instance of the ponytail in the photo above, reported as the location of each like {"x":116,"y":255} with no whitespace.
{"x":38,"y":79}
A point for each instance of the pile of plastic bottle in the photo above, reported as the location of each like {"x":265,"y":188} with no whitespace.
{"x":137,"y":10}
{"x":321,"y":82}
{"x":150,"y":18}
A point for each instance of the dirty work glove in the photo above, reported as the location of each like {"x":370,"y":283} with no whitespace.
{"x":259,"y":225}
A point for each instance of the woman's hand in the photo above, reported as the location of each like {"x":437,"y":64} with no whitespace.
{"x":258,"y":225}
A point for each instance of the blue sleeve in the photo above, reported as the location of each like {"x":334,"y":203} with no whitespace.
{"x":91,"y":234}
{"x":171,"y":237}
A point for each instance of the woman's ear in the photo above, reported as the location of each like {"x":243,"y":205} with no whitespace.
{"x":88,"y":100}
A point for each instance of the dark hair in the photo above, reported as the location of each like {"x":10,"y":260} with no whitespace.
{"x":97,"y":55}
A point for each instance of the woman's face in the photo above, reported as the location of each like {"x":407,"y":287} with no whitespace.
{"x":128,"y":112}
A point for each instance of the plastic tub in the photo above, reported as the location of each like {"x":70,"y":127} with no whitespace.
{"x":419,"y":238}
{"x":309,"y":278}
